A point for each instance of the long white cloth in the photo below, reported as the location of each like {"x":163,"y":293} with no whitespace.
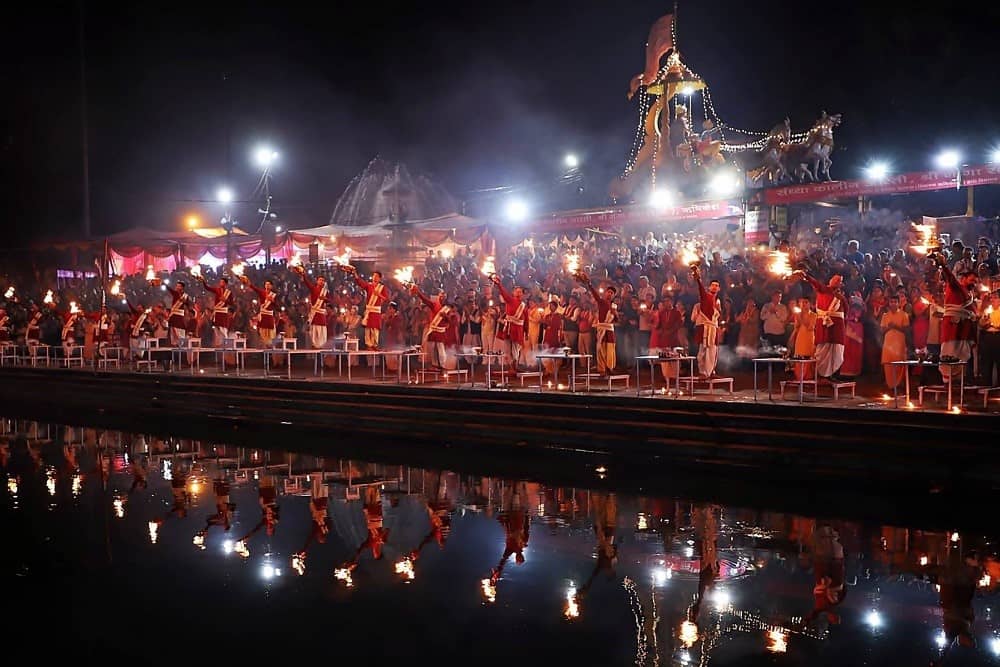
{"x":317,"y":334}
{"x":829,"y":358}
{"x":708,"y":358}
{"x":960,"y":349}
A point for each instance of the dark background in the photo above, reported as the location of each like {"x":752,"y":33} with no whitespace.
{"x":478,"y":95}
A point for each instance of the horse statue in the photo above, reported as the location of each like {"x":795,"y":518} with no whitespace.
{"x":768,"y":162}
{"x":809,"y":159}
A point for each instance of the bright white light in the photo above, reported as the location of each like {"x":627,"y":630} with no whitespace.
{"x":660,"y":575}
{"x":940,"y":639}
{"x":689,"y":552}
{"x":267,"y":571}
{"x":995,"y":645}
{"x":227,"y":547}
{"x":224,"y":195}
{"x":278,"y":229}
{"x":955,"y":537}
{"x":661,"y":199}
{"x":265,"y":156}
{"x":722,"y":600}
{"x":949,"y":159}
{"x":995,"y":155}
{"x":877,"y":171}
{"x":572,"y":161}
{"x":874,"y":619}
{"x":687,"y":90}
{"x":685,"y":657}
{"x":724,"y":184}
{"x":517,"y":210}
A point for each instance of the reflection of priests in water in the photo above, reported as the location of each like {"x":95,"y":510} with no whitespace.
{"x":267,"y":496}
{"x":516,"y":523}
{"x":439,"y":510}
{"x":604,"y":509}
{"x":223,"y":508}
{"x":958,"y":579}
{"x":179,"y":492}
{"x":319,"y":521}
{"x":376,"y":534}
{"x":828,"y":568}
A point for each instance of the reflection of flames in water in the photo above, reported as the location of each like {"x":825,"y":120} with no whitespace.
{"x":12,"y":485}
{"x":299,"y":563}
{"x":48,"y":298}
{"x":572,"y":606}
{"x":344,"y":574}
{"x":154,"y":529}
{"x":985,"y":581}
{"x":779,"y":264}
{"x":641,"y":522}
{"x":50,"y":480}
{"x":777,"y":641}
{"x":404,"y":275}
{"x":405,"y":568}
{"x":119,"y":506}
{"x":489,"y":590}
{"x":489,"y":266}
{"x":199,"y":540}
{"x":9,"y":294}
{"x":242,"y":549}
{"x":688,"y":633}
{"x":77,"y":484}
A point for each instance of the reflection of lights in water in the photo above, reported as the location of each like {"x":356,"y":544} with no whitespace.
{"x":227,"y":547}
{"x":722,"y":600}
{"x":985,"y":581}
{"x":777,"y":641}
{"x":168,"y":473}
{"x":489,"y":590}
{"x":77,"y":484}
{"x":242,"y":549}
{"x":641,"y":522}
{"x":153,"y":531}
{"x":689,"y":552}
{"x":955,"y":537}
{"x":119,"y":505}
{"x":12,"y":485}
{"x":405,"y":568}
{"x":874,"y":619}
{"x":50,"y":480}
{"x":661,"y":575}
{"x":685,"y":657}
{"x":195,"y":487}
{"x":344,"y":574}
{"x":923,"y":561}
{"x":268,"y":571}
{"x":601,"y":470}
{"x":256,"y":475}
{"x":995,"y":645}
{"x":940,"y":639}
{"x":299,"y":563}
{"x":199,"y":541}
{"x":572,"y":607}
{"x":541,"y":505}
{"x":688,"y":633}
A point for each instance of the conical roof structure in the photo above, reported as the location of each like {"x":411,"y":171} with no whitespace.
{"x":388,"y":192}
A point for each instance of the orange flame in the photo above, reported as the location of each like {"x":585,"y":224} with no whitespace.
{"x":489,"y":267}
{"x":779,"y":265}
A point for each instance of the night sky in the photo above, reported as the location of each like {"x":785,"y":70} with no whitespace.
{"x":479,"y":96}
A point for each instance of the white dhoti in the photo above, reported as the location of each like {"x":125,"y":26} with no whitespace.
{"x":137,"y":346}
{"x":222,"y":333}
{"x":960,"y":349}
{"x":829,"y":358}
{"x":708,"y":359}
{"x":512,"y":352}
{"x":177,"y":334}
{"x":317,"y":335}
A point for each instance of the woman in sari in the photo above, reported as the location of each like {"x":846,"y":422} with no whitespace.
{"x":894,"y":324}
{"x":854,"y":339}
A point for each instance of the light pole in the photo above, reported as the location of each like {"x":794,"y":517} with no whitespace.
{"x":225,"y":196}
{"x":265,"y":157}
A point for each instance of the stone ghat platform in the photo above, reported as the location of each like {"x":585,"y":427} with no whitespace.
{"x":768,"y":440}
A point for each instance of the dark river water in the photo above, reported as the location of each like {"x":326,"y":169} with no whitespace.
{"x":159,"y":550}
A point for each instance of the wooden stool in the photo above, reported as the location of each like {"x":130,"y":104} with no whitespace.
{"x":837,"y":386}
{"x":529,"y":374}
{"x":460,"y":373}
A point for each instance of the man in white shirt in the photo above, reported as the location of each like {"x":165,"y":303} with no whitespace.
{"x":774,"y":316}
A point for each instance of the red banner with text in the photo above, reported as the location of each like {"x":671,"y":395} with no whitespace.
{"x":634,"y":215}
{"x":920,"y":181}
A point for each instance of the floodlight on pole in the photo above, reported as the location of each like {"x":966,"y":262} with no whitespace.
{"x":224,"y":195}
{"x":571,"y":161}
{"x":877,"y":171}
{"x":265,"y":156}
{"x":516,"y":210}
{"x":949,"y":159}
